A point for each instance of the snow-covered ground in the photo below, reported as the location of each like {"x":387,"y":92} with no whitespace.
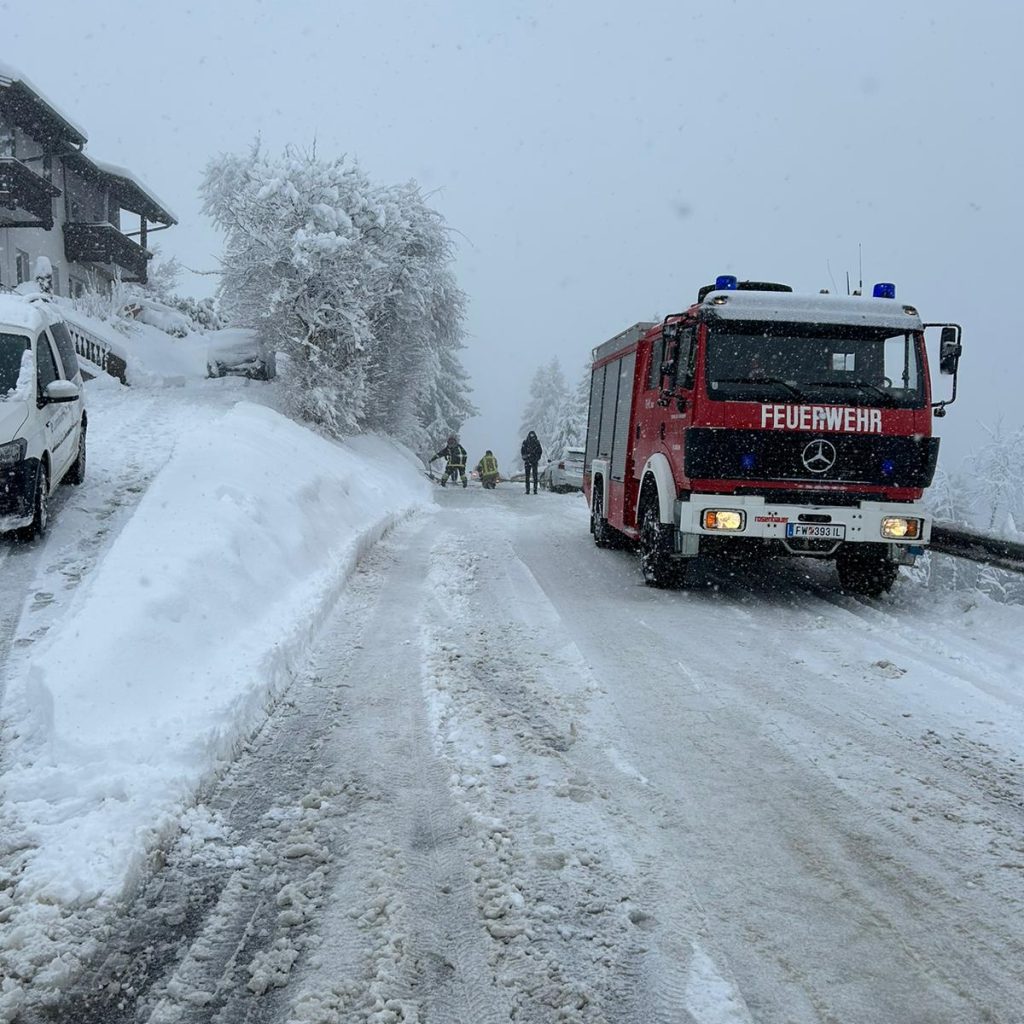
{"x":289,"y":736}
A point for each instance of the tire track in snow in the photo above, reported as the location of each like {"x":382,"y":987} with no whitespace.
{"x":582,"y":929}
{"x":891,"y":912}
{"x":401,"y":915}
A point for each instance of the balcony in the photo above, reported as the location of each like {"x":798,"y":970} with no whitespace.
{"x":22,"y":189}
{"x":103,"y":243}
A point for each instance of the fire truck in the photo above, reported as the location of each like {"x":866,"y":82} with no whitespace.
{"x":761,"y":422}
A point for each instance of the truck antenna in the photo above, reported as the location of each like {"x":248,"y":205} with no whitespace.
{"x":831,"y":276}
{"x":860,"y":270}
{"x":847,"y":282}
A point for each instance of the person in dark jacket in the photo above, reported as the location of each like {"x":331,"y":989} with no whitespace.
{"x":531,"y":452}
{"x":455,"y":461}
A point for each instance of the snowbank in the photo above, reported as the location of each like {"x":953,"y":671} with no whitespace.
{"x":172,"y":649}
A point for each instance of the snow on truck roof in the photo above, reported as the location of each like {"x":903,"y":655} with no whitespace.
{"x":855,"y":310}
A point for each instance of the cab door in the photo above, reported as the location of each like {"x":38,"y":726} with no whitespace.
{"x":59,"y":418}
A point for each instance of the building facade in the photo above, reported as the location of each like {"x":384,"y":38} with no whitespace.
{"x":59,"y":203}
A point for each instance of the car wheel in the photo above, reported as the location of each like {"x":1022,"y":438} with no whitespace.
{"x":40,"y":507}
{"x":657,"y":566}
{"x":864,"y":573}
{"x":76,"y":474}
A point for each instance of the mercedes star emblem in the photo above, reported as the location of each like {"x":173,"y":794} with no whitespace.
{"x":819,"y":456}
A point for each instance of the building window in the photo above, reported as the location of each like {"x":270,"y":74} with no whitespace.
{"x":76,"y":287}
{"x":21,"y":261}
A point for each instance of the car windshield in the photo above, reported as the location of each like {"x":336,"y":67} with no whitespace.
{"x":12,"y":348}
{"x":782,"y":362}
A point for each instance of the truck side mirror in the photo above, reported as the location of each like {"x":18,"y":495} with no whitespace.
{"x":949,"y":350}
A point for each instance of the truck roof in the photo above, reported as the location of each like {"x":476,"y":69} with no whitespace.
{"x":623,"y":339}
{"x":822,"y":309}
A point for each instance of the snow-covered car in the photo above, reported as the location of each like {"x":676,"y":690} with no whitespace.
{"x":565,"y":473}
{"x":42,"y":412}
{"x":238,"y":352}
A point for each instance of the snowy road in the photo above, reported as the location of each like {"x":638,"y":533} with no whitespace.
{"x":515,"y":784}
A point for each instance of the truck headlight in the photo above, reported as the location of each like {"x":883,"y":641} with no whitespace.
{"x":13,"y":451}
{"x":723,"y":519}
{"x":901,"y":528}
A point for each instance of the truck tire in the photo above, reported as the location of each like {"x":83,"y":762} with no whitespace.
{"x":865,"y":572}
{"x":598,"y":524}
{"x":657,"y":566}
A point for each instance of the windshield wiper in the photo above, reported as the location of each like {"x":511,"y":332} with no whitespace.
{"x":864,"y":385}
{"x":792,"y":388}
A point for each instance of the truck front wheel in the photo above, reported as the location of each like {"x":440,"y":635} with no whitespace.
{"x":658,"y":567}
{"x":865,"y":572}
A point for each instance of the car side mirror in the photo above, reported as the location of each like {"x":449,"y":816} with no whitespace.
{"x":60,"y":391}
{"x":949,"y":350}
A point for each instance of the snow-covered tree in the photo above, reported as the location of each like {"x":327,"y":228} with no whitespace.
{"x":571,"y":429}
{"x":419,"y":389}
{"x":557,"y":413}
{"x":544,"y":410}
{"x":352,"y":281}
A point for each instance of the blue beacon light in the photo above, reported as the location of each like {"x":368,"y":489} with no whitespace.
{"x":725,"y":283}
{"x":748,"y":461}
{"x":884,"y":290}
{"x":888,"y":467}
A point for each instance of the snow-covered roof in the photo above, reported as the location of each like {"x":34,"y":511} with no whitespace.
{"x":21,"y":312}
{"x":11,"y":76}
{"x":130,"y":192}
{"x":821,"y":309}
{"x":157,"y":205}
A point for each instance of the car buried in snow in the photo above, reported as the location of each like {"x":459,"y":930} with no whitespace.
{"x":239,"y":352}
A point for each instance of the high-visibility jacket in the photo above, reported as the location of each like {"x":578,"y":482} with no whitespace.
{"x":455,"y":455}
{"x":488,"y":466}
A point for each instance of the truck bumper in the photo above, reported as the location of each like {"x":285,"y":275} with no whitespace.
{"x":811,"y":530}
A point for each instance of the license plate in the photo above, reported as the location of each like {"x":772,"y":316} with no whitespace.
{"x":816,"y":531}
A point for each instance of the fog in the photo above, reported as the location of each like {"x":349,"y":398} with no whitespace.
{"x":598,"y":162}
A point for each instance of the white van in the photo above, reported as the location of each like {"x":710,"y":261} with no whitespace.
{"x":42,"y":412}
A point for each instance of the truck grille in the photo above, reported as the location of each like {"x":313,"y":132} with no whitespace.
{"x":725,"y":454}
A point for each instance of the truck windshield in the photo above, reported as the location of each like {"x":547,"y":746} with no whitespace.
{"x":12,"y":348}
{"x":781,"y":362}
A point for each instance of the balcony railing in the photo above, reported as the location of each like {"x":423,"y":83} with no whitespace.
{"x":103,"y":243}
{"x":22,"y":189}
{"x":97,"y":350}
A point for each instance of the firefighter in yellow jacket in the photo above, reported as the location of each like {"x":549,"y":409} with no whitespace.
{"x":487,"y":469}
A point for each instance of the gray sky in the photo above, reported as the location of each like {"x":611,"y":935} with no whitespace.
{"x":599,"y":160}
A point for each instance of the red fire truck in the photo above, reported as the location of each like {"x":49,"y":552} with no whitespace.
{"x":763,"y":421}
